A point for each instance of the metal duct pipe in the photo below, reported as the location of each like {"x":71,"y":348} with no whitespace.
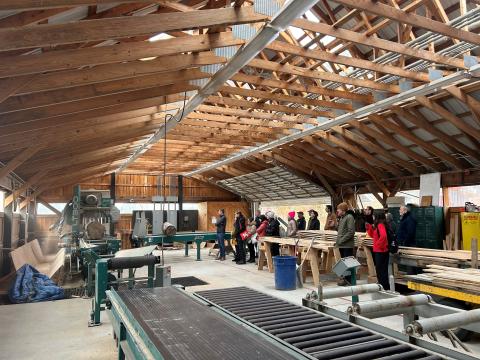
{"x":336,"y":292}
{"x":394,"y":303}
{"x":444,"y":322}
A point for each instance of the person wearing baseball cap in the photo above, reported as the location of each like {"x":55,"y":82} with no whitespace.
{"x":301,"y":222}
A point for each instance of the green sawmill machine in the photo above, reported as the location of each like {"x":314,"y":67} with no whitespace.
{"x":91,"y":215}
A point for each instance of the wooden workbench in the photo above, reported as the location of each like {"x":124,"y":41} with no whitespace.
{"x":320,"y":255}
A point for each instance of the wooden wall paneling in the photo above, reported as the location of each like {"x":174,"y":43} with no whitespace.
{"x":209,"y":209}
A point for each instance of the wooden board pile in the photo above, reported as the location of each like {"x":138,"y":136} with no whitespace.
{"x":328,"y":236}
{"x":438,"y":257}
{"x":454,"y":278}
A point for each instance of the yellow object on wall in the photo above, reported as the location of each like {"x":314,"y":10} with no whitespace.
{"x":470,"y":228}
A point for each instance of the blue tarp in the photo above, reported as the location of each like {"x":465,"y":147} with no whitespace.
{"x":32,"y":286}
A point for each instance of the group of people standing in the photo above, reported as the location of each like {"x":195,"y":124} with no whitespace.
{"x":380,"y":227}
{"x":246,"y":234}
{"x":313,"y":222}
{"x":384,"y":232}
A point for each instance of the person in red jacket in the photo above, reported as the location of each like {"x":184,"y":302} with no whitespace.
{"x":262,"y":228}
{"x":378,"y":231}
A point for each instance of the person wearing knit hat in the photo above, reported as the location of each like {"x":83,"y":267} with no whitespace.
{"x":345,"y":235}
{"x":301,"y":222}
{"x":292,"y":224}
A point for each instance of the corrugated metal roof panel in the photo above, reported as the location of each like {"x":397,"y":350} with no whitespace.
{"x":275,"y":183}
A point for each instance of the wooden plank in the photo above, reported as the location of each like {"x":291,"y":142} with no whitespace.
{"x":447,"y":115}
{"x":52,"y":97}
{"x":474,"y":249}
{"x":283,"y":98}
{"x":418,"y":120}
{"x":110,"y":72}
{"x":390,"y":12}
{"x":49,"y":4}
{"x":88,"y":104}
{"x":130,"y":51}
{"x":348,"y":61}
{"x":262,"y":106}
{"x":19,"y":159}
{"x":300,"y":71}
{"x":9,"y":87}
{"x":305,"y":88}
{"x":366,"y":40}
{"x":119,"y":27}
{"x":415,"y":139}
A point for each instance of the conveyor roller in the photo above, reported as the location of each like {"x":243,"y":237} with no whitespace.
{"x":318,"y":335}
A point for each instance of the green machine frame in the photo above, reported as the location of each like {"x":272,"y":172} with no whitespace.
{"x":185,"y":238}
{"x":103,"y":268}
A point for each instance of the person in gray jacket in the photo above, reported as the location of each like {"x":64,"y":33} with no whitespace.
{"x":346,"y":235}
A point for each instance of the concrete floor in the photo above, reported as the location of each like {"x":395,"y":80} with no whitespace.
{"x":58,"y":330}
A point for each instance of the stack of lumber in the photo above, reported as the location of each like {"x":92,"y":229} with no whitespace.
{"x":444,"y":276}
{"x":327,"y":235}
{"x":436,"y":256}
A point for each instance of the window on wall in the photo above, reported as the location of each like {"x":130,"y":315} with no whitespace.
{"x":128,"y":208}
{"x":458,"y":196}
{"x":43,"y":210}
{"x":411,"y":197}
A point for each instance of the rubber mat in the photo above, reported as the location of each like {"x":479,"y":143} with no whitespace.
{"x":184,"y":329}
{"x":319,"y":335}
{"x":188,"y":281}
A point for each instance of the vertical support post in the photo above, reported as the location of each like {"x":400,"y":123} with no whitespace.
{"x":151,"y":275}
{"x":31,"y":219}
{"x":474,"y":248}
{"x":131,"y":282}
{"x":101,"y":283}
{"x":122,"y":336}
{"x":180,"y":192}
{"x":199,"y":240}
{"x":180,"y":202}
{"x":113,"y":187}
{"x":76,"y":214}
{"x":7,"y":237}
{"x":353,"y":279}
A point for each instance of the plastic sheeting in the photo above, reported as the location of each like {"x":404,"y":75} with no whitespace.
{"x":32,"y":286}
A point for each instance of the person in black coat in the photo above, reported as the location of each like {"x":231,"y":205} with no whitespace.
{"x":221,"y":224}
{"x":407,"y":228}
{"x":273,"y":229}
{"x":240,"y":227}
{"x":301,"y":222}
{"x":258,"y":220}
{"x":313,"y":222}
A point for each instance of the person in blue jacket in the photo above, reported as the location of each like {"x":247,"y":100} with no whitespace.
{"x":407,"y":228}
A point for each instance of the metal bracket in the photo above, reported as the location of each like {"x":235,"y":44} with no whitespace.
{"x":470,"y":61}
{"x":434,"y":74}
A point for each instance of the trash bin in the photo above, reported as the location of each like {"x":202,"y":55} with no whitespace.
{"x":285,"y":272}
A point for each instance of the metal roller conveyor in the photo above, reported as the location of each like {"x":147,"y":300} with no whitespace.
{"x":169,"y":324}
{"x":317,"y":335}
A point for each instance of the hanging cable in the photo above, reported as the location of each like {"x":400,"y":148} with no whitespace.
{"x":167,"y":117}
